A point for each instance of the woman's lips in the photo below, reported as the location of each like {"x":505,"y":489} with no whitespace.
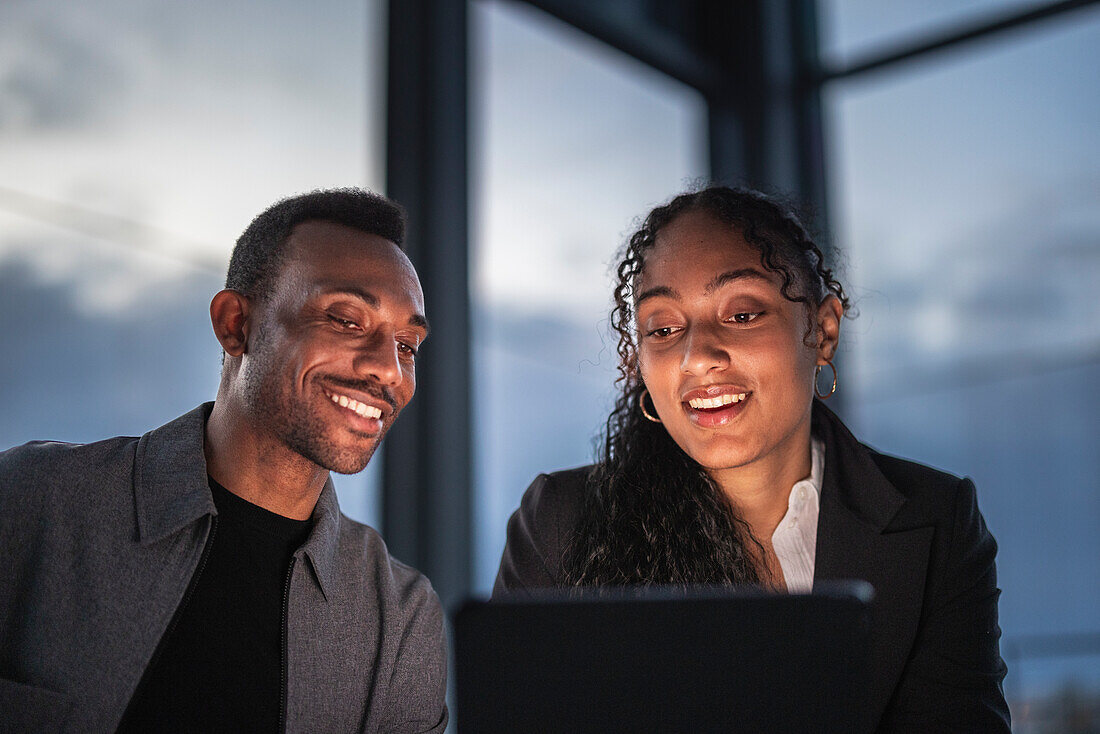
{"x":716,"y":402}
{"x":713,"y":407}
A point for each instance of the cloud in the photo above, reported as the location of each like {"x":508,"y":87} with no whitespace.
{"x":59,"y":69}
{"x":73,"y":373}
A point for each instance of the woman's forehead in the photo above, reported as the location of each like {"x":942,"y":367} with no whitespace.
{"x":696,"y":250}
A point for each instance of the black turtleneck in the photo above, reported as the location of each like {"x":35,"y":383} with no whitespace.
{"x":218,"y":667}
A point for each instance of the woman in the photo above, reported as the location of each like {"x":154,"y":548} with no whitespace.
{"x":720,"y":467}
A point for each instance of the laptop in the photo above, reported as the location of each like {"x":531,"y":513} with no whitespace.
{"x":664,"y":660}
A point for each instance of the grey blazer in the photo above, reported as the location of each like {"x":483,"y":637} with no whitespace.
{"x":98,"y":544}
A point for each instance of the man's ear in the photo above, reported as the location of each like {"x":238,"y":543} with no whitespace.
{"x":230,"y":311}
{"x":829,"y":314}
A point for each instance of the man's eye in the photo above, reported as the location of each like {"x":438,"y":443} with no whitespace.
{"x":343,"y":323}
{"x":744,"y":318}
{"x":408,"y":349}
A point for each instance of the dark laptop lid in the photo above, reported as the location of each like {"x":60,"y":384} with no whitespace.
{"x":664,"y":661}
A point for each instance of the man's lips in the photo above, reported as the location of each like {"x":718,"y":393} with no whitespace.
{"x":363,"y":410}
{"x":365,"y":406}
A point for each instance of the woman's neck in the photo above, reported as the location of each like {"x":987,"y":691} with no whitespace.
{"x":760,"y":490}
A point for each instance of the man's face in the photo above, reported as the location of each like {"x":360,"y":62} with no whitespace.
{"x":330,"y":359}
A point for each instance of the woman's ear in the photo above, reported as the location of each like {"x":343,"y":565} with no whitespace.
{"x":829,"y":314}
{"x":229,"y":315}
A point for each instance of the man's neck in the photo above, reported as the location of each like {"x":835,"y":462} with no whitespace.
{"x":259,"y":469}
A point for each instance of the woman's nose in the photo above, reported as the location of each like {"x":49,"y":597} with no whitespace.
{"x":703,"y":351}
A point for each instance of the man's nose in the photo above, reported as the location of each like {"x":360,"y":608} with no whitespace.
{"x":378,"y":359}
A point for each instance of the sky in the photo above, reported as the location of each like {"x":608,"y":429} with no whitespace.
{"x":851,"y":30}
{"x":954,"y":177}
{"x":186,"y":116}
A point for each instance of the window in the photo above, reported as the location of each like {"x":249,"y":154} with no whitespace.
{"x":138,"y":143}
{"x":852,"y":29}
{"x":573,"y":141}
{"x":966,"y":190}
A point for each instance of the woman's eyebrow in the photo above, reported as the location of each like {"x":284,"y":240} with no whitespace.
{"x":660,"y":290}
{"x":717,"y":282}
{"x":732,"y":275}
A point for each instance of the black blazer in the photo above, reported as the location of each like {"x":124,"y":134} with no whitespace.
{"x":913,"y":532}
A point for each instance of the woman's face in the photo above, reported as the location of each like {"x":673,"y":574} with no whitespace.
{"x":723,"y":354}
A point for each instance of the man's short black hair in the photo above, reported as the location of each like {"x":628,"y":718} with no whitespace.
{"x":258,"y":253}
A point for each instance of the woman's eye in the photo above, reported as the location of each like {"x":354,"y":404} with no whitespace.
{"x":743,"y":318}
{"x":662,"y":332}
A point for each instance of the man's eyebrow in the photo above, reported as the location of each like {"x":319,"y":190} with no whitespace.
{"x":418,"y":320}
{"x":350,"y":290}
{"x":732,"y":275}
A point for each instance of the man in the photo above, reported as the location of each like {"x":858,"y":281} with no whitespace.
{"x":201,"y":577}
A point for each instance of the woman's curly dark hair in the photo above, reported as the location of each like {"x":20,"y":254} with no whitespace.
{"x":652,"y":515}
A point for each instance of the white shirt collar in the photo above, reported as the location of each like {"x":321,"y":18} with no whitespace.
{"x":795,"y":538}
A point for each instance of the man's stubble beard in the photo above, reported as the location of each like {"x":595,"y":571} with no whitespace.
{"x":292,"y":420}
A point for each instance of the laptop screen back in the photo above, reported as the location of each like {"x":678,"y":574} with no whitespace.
{"x":664,"y":661}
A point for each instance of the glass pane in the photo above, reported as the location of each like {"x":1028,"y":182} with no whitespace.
{"x":968,"y":198}
{"x":573,"y":141}
{"x":852,"y":29}
{"x":137,"y":143}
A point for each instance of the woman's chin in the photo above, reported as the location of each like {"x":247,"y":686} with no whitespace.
{"x":721,"y":453}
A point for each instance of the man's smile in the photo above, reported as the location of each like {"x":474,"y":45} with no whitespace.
{"x":362,"y":409}
{"x":364,"y":412}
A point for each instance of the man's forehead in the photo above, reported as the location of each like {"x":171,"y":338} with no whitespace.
{"x":321,"y":239}
{"x":336,"y":258}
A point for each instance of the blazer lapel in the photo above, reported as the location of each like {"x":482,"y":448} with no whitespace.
{"x":854,"y":541}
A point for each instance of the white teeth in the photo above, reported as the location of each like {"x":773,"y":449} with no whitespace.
{"x":718,"y":402}
{"x":367,"y":411}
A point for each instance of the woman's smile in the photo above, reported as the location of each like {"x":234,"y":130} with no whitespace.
{"x":713,"y":406}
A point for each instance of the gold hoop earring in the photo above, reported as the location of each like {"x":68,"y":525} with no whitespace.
{"x":641,"y":404}
{"x":832,"y":389}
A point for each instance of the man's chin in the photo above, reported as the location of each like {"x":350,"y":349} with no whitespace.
{"x":338,"y":459}
{"x":348,"y":469}
{"x":349,"y":461}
